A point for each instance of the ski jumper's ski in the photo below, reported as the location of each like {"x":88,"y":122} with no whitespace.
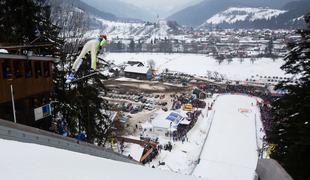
{"x":83,"y":77}
{"x":71,"y":78}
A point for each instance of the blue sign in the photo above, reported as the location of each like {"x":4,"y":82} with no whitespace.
{"x":42,"y":112}
{"x":46,"y":110}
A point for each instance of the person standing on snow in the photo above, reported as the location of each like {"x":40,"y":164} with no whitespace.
{"x":93,"y":46}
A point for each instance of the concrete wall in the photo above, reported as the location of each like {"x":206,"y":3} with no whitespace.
{"x":269,"y":169}
{"x":18,"y":132}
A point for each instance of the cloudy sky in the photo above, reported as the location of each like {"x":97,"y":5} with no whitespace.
{"x":162,"y":7}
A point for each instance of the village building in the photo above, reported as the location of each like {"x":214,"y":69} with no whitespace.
{"x":164,"y":124}
{"x":138,"y":72}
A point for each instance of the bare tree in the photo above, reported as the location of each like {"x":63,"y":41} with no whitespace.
{"x":253,"y":59}
{"x":241,"y":59}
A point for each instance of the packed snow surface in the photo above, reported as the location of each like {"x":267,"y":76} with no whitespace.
{"x":235,"y":14}
{"x":198,"y":64}
{"x":230,"y":151}
{"x":36,"y":162}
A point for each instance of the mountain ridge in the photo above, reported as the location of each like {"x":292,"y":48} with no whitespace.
{"x":197,"y":14}
{"x":238,"y":14}
{"x":83,"y":6}
{"x":121,"y":9}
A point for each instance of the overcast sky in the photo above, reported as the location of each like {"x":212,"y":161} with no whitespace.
{"x":162,"y":6}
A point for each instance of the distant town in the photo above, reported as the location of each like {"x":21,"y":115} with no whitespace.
{"x":220,"y":43}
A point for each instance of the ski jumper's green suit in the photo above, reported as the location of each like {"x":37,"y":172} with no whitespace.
{"x":93,"y":46}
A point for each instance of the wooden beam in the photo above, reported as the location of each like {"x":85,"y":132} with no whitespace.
{"x":24,"y":57}
{"x":25,"y":46}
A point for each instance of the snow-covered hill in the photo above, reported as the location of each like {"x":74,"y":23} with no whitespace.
{"x":162,"y":29}
{"x":81,"y":19}
{"x":197,"y":14}
{"x":238,"y":14}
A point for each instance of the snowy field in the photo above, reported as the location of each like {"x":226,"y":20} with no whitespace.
{"x":36,"y":162}
{"x":230,"y":151}
{"x":198,"y":64}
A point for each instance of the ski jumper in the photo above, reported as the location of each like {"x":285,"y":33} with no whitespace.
{"x":93,"y":47}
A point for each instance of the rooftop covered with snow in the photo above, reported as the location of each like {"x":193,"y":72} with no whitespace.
{"x":167,"y":120}
{"x":136,"y":69}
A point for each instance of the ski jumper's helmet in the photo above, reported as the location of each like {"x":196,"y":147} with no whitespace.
{"x":103,"y":38}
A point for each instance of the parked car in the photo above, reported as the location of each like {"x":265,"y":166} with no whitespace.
{"x":161,"y":103}
{"x":150,"y":108}
{"x":143,"y":100}
{"x":134,"y":111}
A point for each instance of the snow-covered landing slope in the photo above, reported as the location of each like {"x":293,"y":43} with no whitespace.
{"x":230,"y":151}
{"x":235,"y":14}
{"x":35,"y":162}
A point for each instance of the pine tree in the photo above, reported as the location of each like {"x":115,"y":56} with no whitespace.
{"x":269,"y":48}
{"x":90,"y":105}
{"x":119,"y":46}
{"x":81,"y":104}
{"x":290,"y":130}
{"x":22,"y":21}
{"x":132,"y":45}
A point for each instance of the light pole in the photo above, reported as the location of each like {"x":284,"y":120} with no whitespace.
{"x":13,"y":104}
{"x":170,"y":130}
